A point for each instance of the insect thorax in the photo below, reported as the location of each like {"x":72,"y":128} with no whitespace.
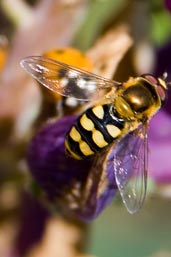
{"x":137,"y":100}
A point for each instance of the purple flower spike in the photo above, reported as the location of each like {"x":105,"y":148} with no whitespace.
{"x":50,"y":165}
{"x":167,"y":4}
{"x":75,"y":186}
{"x":33,"y":220}
{"x":160,"y":148}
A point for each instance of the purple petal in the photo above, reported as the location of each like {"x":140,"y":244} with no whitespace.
{"x":32,"y":224}
{"x":49,"y":163}
{"x":65,"y":180}
{"x":167,"y":4}
{"x":163,"y":64}
{"x":160,"y":148}
{"x":160,"y":126}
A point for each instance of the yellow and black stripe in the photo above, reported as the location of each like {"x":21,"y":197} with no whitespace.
{"x":94,"y":130}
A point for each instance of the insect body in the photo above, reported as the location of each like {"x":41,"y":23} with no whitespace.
{"x":117,"y":122}
{"x":135,"y":103}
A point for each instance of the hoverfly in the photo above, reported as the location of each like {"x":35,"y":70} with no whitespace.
{"x":117,"y":121}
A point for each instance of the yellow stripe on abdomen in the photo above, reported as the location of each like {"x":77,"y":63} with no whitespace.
{"x":73,"y":154}
{"x":98,"y":139}
{"x":74,"y":134}
{"x":113,"y":130}
{"x":86,"y":123}
{"x":98,"y":111}
{"x":85,"y":148}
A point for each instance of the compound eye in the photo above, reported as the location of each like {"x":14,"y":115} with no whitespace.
{"x":162,"y":94}
{"x":150,"y":78}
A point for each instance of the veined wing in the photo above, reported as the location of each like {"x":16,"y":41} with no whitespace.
{"x":65,"y":79}
{"x":100,"y":186}
{"x":130,"y":167}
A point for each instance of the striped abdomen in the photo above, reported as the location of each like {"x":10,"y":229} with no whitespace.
{"x":94,"y":130}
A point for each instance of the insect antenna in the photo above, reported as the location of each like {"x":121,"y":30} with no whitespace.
{"x":165,"y":77}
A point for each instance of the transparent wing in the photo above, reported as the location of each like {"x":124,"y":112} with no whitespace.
{"x":100,"y":186}
{"x":130,"y":167}
{"x":65,"y":79}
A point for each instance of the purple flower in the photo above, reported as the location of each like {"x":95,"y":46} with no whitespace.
{"x":33,"y":219}
{"x":160,"y":148}
{"x":167,"y":4}
{"x":160,"y":126}
{"x":73,"y":186}
{"x":163,"y":64}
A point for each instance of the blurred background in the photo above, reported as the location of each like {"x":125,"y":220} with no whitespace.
{"x":139,"y":42}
